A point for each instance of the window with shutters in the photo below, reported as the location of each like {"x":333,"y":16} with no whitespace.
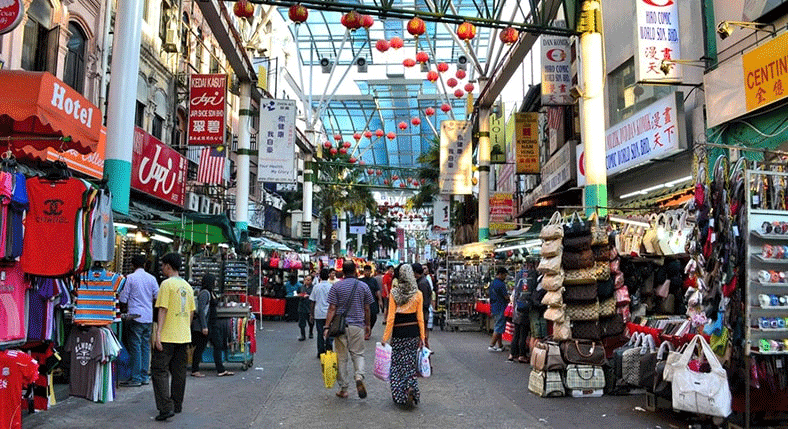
{"x":74,"y":72}
{"x":39,"y":40}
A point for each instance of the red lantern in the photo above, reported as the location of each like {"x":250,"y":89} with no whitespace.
{"x":396,"y":42}
{"x":402,"y":185}
{"x":327,"y":145}
{"x":385,"y":181}
{"x":429,"y":111}
{"x":391,"y":135}
{"x":379,"y":132}
{"x":451,"y":82}
{"x":346,"y":145}
{"x":402,"y":125}
{"x":422,"y":57}
{"x":459,"y":93}
{"x":432,"y":76}
{"x":370,"y":171}
{"x":378,"y":173}
{"x":466,"y":31}
{"x":468,"y":87}
{"x":382,"y":45}
{"x":333,"y":151}
{"x":415,"y":121}
{"x":368,"y":134}
{"x":460,"y":74}
{"x":395,"y":177}
{"x":442,"y":67}
{"x":243,"y":9}
{"x":337,"y":137}
{"x":409,"y":62}
{"x":415,"y":183}
{"x":298,"y":13}
{"x":343,"y":151}
{"x":362,"y":162}
{"x":356,"y":136}
{"x":445,"y":107}
{"x":352,"y":160}
{"x":416,"y":26}
{"x":509,"y":35}
{"x":351,"y":20}
{"x":367,"y":21}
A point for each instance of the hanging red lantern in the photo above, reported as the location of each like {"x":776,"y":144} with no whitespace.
{"x":243,"y":9}
{"x":408,"y":62}
{"x":415,"y":121}
{"x":416,"y":27}
{"x":509,"y":35}
{"x":333,"y":151}
{"x":368,"y":134}
{"x":352,"y":20}
{"x":385,"y":181}
{"x":367,"y":21}
{"x":422,"y":57}
{"x":466,"y":31}
{"x":442,"y":67}
{"x":346,"y":145}
{"x":460,"y":74}
{"x":337,"y":137}
{"x":343,"y":151}
{"x":357,"y":137}
{"x":415,"y":183}
{"x":327,"y":145}
{"x":379,"y":132}
{"x":468,"y":87}
{"x":459,"y":93}
{"x":402,"y":125}
{"x":382,"y":45}
{"x":378,"y":173}
{"x":395,"y":177}
{"x":352,"y":160}
{"x":391,"y":135}
{"x":298,"y":13}
{"x":432,"y":76}
{"x":402,"y":185}
{"x":429,"y":111}
{"x":370,"y":171}
{"x":396,"y":42}
{"x":445,"y":107}
{"x":361,"y":162}
{"x":451,"y":82}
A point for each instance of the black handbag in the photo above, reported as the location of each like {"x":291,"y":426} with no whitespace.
{"x":586,"y":330}
{"x":605,"y":289}
{"x":575,"y":293}
{"x":577,"y":227}
{"x":338,"y":325}
{"x":611,"y":326}
{"x":577,"y":243}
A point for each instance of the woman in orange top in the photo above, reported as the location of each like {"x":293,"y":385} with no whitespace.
{"x":405,"y":329}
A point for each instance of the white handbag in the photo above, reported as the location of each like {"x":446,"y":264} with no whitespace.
{"x":698,"y":392}
{"x":648,"y":237}
{"x":678,"y":243}
{"x":664,"y":235}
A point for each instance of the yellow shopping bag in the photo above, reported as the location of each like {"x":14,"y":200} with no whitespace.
{"x":328,"y":361}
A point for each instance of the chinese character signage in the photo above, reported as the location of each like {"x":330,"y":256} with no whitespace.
{"x":526,"y":129}
{"x":556,"y":74}
{"x":440,"y":212}
{"x":207,"y":109}
{"x":657,"y":35}
{"x":497,"y":139}
{"x":501,"y":213}
{"x":455,"y":157}
{"x":766,"y":73}
{"x":157,"y":169}
{"x":276,"y":141}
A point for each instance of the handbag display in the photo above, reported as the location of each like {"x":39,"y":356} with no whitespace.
{"x":338,"y":324}
{"x":551,"y":248}
{"x":554,"y":298}
{"x":583,"y":312}
{"x":583,"y":293}
{"x":584,"y":377}
{"x":562,"y":331}
{"x":611,"y":326}
{"x":648,"y":237}
{"x":579,"y":277}
{"x":553,"y":229}
{"x":698,"y":392}
{"x":586,"y":330}
{"x":576,"y":227}
{"x":658,"y":384}
{"x":555,"y":314}
{"x":549,"y":265}
{"x":605,"y":289}
{"x":601,"y":271}
{"x":551,"y":282}
{"x":546,"y":356}
{"x":622,"y":297}
{"x":574,"y":260}
{"x":607,"y":308}
{"x":631,"y":360}
{"x":601,"y":253}
{"x":618,"y":354}
{"x":598,"y":231}
{"x":680,"y":234}
{"x":577,"y":243}
{"x":546,"y":384}
{"x":648,"y":364}
{"x":583,"y":352}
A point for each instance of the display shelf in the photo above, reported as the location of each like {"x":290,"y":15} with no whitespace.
{"x":769,"y":329}
{"x":763,"y":236}
{"x":761,"y":284}
{"x":767,"y":212}
{"x":758,"y":257}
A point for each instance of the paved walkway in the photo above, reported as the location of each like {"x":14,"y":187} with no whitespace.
{"x":470,"y":387}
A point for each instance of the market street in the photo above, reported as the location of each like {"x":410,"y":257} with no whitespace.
{"x":470,"y":387}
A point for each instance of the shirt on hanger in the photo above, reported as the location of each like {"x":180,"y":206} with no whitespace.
{"x":13,"y":288}
{"x":17,"y":369}
{"x":16,"y":210}
{"x":86,"y":347}
{"x":97,"y":297}
{"x":102,"y":244}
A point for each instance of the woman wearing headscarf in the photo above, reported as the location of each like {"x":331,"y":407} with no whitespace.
{"x":405,"y":329}
{"x":208,"y":327}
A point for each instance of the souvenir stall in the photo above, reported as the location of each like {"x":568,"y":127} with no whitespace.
{"x":468,"y":270}
{"x":269,"y":276}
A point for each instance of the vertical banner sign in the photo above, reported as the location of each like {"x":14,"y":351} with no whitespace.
{"x":400,"y":239}
{"x":657,"y":35}
{"x":276,"y":147}
{"x":766,"y":73}
{"x":501,"y":213}
{"x":440,"y":212}
{"x":556,"y":74}
{"x":526,"y":128}
{"x":260,"y":65}
{"x":157,"y":169}
{"x":497,"y":139}
{"x":207,"y":109}
{"x":455,"y":158}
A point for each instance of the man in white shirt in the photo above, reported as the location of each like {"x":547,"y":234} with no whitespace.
{"x":319,"y":298}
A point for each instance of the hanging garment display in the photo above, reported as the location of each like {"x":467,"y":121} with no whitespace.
{"x":19,"y":370}
{"x":92,"y":351}
{"x":13,"y":287}
{"x":97,"y":297}
{"x":102,"y":243}
{"x":16,"y":211}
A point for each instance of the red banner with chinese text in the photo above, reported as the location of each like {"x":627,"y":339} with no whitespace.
{"x":207,"y":109}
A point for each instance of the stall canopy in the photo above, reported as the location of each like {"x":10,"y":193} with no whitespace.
{"x":39,"y":109}
{"x":268,"y":244}
{"x":201,"y":228}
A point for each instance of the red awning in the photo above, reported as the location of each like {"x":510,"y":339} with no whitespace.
{"x":40,"y":106}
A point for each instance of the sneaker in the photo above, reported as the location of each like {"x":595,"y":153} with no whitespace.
{"x":494,"y":349}
{"x":145,"y":382}
{"x":362,"y":390}
{"x":301,"y":338}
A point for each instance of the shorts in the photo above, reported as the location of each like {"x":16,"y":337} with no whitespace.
{"x":500,"y":323}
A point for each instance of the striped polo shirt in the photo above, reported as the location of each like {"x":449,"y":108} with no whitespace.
{"x":97,"y":298}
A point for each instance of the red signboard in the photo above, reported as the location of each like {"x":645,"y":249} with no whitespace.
{"x":157,"y":169}
{"x":11,"y":13}
{"x":207,"y":109}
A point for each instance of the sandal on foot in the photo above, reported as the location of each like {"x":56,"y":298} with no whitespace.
{"x":342,"y":393}
{"x":225,"y":374}
{"x":198,"y":374}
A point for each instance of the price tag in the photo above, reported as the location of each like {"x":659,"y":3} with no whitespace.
{"x":735,"y":231}
{"x":711,"y":222}
{"x":713,"y":237}
{"x":778,"y":363}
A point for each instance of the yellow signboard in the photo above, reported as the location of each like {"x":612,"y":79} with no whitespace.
{"x":766,"y":73}
{"x":526,"y":128}
{"x":262,"y":77}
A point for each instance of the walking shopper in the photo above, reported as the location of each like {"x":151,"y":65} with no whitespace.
{"x":374,"y":288}
{"x":303,"y":308}
{"x":138,"y":296}
{"x":200,"y":322}
{"x":319,"y":298}
{"x":386,"y":288}
{"x":175,"y":304}
{"x":291,"y":297}
{"x":498,"y":300}
{"x":521,"y":320}
{"x":405,"y":330}
{"x":352,"y":297}
{"x":426,"y":291}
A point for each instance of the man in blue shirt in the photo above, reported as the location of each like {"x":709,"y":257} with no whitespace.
{"x":138,"y":295}
{"x":499,"y":297}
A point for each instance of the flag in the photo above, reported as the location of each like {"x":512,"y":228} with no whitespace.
{"x":555,"y":116}
{"x":211,"y":168}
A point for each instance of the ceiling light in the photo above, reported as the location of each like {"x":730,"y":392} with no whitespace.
{"x":163,"y":239}
{"x":613,"y":218}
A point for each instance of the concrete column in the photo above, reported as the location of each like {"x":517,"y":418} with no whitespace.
{"x":242,"y":160}
{"x":592,"y":109}
{"x":342,"y":234}
{"x":121,"y":107}
{"x":307,"y":203}
{"x":484,"y":172}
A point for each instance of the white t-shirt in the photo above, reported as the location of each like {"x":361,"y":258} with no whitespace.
{"x":320,"y":297}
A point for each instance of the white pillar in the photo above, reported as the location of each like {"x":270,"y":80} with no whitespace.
{"x":242,"y":160}
{"x":309,"y":173}
{"x":484,"y":173}
{"x":342,"y":234}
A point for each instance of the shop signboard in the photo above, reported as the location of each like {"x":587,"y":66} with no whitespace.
{"x":501,"y":213}
{"x":11,"y":13}
{"x":766,"y":73}
{"x":440,"y":211}
{"x":556,"y":70}
{"x":91,"y":164}
{"x":157,"y":169}
{"x":357,"y":224}
{"x":531,"y":198}
{"x":658,"y":40}
{"x":400,"y":239}
{"x":261,"y":65}
{"x":276,"y":160}
{"x":455,"y":158}
{"x":207,"y":109}
{"x":558,"y":170}
{"x":497,"y":139}
{"x":526,"y":127}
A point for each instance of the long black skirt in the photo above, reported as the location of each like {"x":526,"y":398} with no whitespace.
{"x":404,"y":358}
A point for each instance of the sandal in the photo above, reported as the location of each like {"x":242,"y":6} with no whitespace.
{"x":225,"y":374}
{"x":522,"y":360}
{"x":342,"y":393}
{"x":198,"y":374}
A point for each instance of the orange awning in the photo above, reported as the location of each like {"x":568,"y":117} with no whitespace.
{"x":37,"y":104}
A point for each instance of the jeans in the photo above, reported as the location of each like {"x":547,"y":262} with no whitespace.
{"x":353,"y":342}
{"x":139,"y":350}
{"x":323,"y":344}
{"x":199,"y":341}
{"x":519,"y":340}
{"x":168,"y":363}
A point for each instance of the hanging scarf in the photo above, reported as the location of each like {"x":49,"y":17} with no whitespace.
{"x":406,"y":286}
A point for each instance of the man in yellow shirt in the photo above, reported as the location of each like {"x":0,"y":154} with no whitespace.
{"x":175,"y":305}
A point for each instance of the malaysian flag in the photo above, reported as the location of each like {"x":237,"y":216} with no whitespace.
{"x":211,"y":168}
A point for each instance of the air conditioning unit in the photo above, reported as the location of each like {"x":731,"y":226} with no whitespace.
{"x":205,"y":205}
{"x":216,"y":208}
{"x":192,"y":201}
{"x":172,"y":39}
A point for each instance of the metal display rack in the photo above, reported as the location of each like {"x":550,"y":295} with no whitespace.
{"x":465,"y":286}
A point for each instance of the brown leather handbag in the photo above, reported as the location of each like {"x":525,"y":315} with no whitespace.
{"x":546,"y":356}
{"x":582,"y":293}
{"x":572,"y":260}
{"x":583,"y":352}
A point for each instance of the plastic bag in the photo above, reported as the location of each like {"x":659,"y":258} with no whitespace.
{"x":382,"y":361}
{"x":424,"y":366}
{"x":328,"y":361}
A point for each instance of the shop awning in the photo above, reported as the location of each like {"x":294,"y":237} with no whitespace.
{"x":268,"y":244}
{"x":662,"y":198}
{"x":37,"y":104}
{"x":201,"y":228}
